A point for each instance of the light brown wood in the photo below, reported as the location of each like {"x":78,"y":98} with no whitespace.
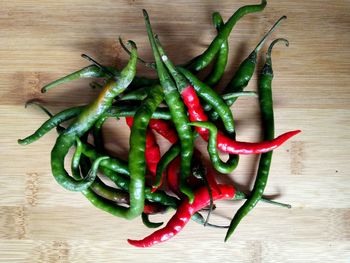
{"x":42,"y":40}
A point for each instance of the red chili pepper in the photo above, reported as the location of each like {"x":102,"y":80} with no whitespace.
{"x":184,"y":214}
{"x":173,"y":176}
{"x":152,"y":148}
{"x":224,"y":143}
{"x":165,"y":129}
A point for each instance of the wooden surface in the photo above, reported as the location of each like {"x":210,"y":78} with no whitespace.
{"x":42,"y":40}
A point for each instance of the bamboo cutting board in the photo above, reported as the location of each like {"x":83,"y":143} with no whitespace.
{"x":42,"y":40}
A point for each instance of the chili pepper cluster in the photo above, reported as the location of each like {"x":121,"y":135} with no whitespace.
{"x":180,"y":107}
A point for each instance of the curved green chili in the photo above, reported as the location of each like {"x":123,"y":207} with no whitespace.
{"x":219,"y":165}
{"x":177,"y":111}
{"x":207,"y":56}
{"x":164,"y":162}
{"x":266,"y":107}
{"x":222,"y":56}
{"x":83,"y":123}
{"x":148,"y":223}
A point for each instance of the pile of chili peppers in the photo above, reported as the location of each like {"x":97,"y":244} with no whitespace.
{"x":180,"y":107}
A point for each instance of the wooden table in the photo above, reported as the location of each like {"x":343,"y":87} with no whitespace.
{"x":42,"y":40}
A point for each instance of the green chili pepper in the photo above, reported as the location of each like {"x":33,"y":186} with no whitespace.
{"x":178,"y":113}
{"x":219,"y":165}
{"x":266,"y":107}
{"x":246,"y":70}
{"x":222,"y":56}
{"x":91,"y":71}
{"x":138,"y":94}
{"x":85,"y":121}
{"x":207,"y":56}
{"x":137,"y":163}
{"x":114,"y":111}
{"x":148,"y":223}
{"x":164,"y":162}
{"x":97,"y":133}
{"x":109,"y":193}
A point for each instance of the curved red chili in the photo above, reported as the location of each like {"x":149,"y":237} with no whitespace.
{"x":224,"y":143}
{"x":183,"y":215}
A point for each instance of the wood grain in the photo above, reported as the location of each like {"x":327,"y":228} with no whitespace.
{"x":42,"y":40}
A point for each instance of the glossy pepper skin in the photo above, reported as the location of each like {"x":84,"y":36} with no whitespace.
{"x":207,"y":56}
{"x":177,"y":111}
{"x":266,"y":107}
{"x":183,"y":215}
{"x":84,"y":122}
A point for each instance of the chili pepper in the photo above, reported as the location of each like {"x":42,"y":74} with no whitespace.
{"x":83,"y":123}
{"x":210,"y":97}
{"x":137,"y":150}
{"x":91,"y":71}
{"x":219,"y":165}
{"x":137,"y":94}
{"x":222,"y":56}
{"x":97,"y":133}
{"x":114,"y":111}
{"x":173,"y":175}
{"x":148,"y":223}
{"x":246,"y":70}
{"x":183,"y":215}
{"x":207,"y":56}
{"x":266,"y":107}
{"x":165,"y":129}
{"x":164,"y":161}
{"x":94,"y":71}
{"x":152,"y":151}
{"x":177,"y":111}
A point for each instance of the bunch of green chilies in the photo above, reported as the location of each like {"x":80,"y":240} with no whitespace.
{"x":180,"y":107}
